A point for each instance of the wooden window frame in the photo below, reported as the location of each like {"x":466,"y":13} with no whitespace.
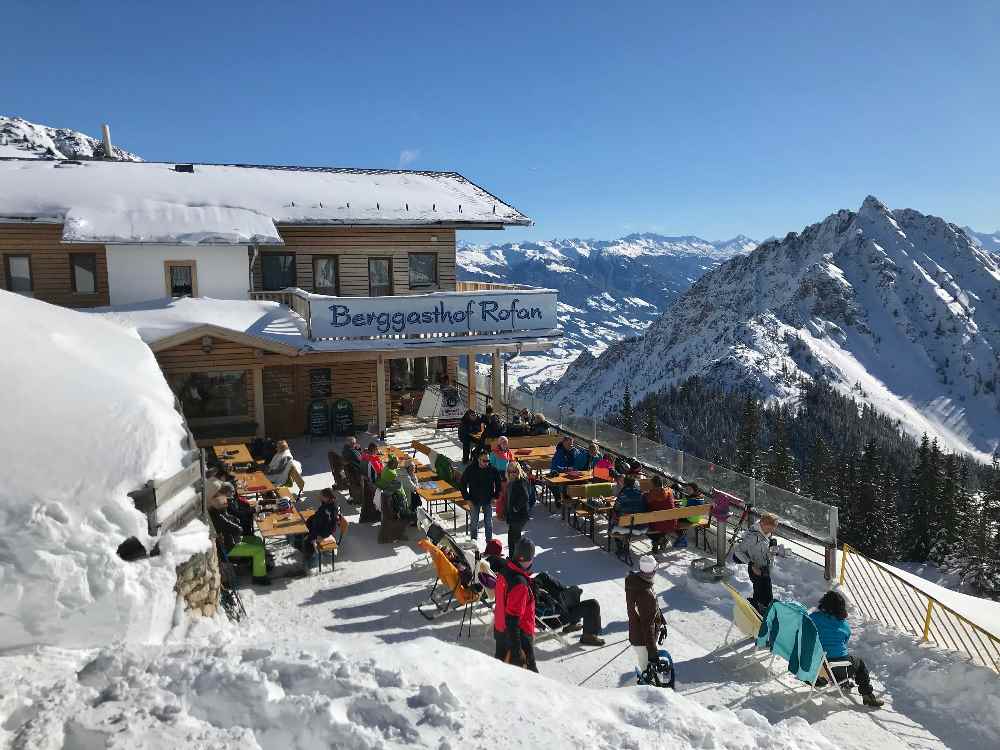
{"x":8,"y":279}
{"x":168,"y":264}
{"x":392,"y":285}
{"x":336,"y":263}
{"x":72,"y":272}
{"x":295,"y":268}
{"x":436,"y":284}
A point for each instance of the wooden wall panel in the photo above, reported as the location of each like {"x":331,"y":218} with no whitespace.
{"x":224,"y":355}
{"x":51,"y":275}
{"x":354,"y":245}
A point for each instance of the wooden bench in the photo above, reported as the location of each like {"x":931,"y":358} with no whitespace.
{"x":631,"y":523}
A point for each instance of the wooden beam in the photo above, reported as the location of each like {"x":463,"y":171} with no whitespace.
{"x":495,"y":381}
{"x":472,"y":380}
{"x":380,"y":394}
{"x":258,"y":401}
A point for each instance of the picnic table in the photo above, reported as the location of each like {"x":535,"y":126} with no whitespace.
{"x":564,"y":479}
{"x":253,"y":483}
{"x":284,"y":524}
{"x":535,"y":458}
{"x":233,"y":453}
{"x":434,"y":492}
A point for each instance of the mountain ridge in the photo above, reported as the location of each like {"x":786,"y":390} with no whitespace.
{"x":20,"y":138}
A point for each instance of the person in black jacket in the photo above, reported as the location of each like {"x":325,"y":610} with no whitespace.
{"x":518,"y":503}
{"x":355,"y":471}
{"x":323,"y":523}
{"x":480,"y":483}
{"x":470,"y":425}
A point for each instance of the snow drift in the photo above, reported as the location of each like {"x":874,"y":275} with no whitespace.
{"x":87,"y":418}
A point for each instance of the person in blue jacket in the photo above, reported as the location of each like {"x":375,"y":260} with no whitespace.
{"x":629,"y":501}
{"x":830,"y":619}
{"x":564,"y":459}
{"x":586,"y":460}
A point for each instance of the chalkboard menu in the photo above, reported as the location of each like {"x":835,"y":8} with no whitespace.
{"x":319,"y":418}
{"x":320,"y":383}
{"x":342,"y":416}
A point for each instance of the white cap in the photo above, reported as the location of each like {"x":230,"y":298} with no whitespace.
{"x":647,"y":564}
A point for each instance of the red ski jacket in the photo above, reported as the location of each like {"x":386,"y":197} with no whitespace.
{"x":515,"y":600}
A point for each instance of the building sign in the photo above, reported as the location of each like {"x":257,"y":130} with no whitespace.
{"x":466,"y":313}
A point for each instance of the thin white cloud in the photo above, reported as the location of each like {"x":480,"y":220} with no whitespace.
{"x":407,"y":156}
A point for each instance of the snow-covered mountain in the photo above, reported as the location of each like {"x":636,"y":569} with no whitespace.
{"x":987,"y":241}
{"x":608,"y":289}
{"x":20,"y":138}
{"x":900,"y":307}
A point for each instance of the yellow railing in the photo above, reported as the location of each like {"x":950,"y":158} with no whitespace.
{"x":885,"y":597}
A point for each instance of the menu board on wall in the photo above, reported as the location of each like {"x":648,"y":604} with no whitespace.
{"x":342,"y":416}
{"x":320,"y":382}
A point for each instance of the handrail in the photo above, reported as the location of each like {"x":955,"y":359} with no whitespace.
{"x":903,"y":606}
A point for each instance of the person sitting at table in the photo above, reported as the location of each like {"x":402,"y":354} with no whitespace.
{"x":229,"y":529}
{"x":280,"y":465}
{"x":587,"y":460}
{"x":321,"y":524}
{"x":373,"y":457}
{"x":371,"y":470}
{"x":564,"y":459}
{"x":470,"y":425}
{"x":408,"y":481}
{"x":495,"y":426}
{"x":539,"y":425}
{"x":628,"y":502}
{"x":395,"y":508}
{"x":389,"y":474}
{"x":604,"y":469}
{"x":501,"y":455}
{"x":660,"y":498}
{"x":693,"y":496}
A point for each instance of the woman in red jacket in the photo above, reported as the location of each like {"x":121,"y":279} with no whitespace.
{"x":660,"y":498}
{"x":514,"y":615}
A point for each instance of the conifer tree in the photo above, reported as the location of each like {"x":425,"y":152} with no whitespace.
{"x":977,"y":558}
{"x":922,"y":495}
{"x":781,"y":465}
{"x":651,"y":425}
{"x":820,"y":473}
{"x":627,"y":416}
{"x":944,"y":516}
{"x":748,"y":438}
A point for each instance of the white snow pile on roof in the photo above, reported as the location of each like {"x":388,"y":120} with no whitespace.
{"x":87,"y":418}
{"x":128,"y":202}
{"x":157,"y":319}
{"x":361,"y":694}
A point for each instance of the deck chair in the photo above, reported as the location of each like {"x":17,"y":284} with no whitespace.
{"x":746,"y":620}
{"x":788,"y":632}
{"x":453,"y":595}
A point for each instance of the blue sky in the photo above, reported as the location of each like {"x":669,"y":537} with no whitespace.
{"x":596,"y":119}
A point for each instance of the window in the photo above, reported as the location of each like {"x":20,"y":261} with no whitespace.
{"x":182,"y":278}
{"x":83,"y":269}
{"x":211,"y":395}
{"x":423,"y":270}
{"x":325,"y":278}
{"x":18,"y":272}
{"x":379,"y":277}
{"x":277,"y":270}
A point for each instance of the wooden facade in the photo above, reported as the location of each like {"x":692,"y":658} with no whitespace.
{"x":51,"y":267}
{"x":353,"y":246}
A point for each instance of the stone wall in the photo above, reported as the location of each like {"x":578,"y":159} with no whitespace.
{"x":198,"y":583}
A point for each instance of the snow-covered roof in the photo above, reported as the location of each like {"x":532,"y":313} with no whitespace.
{"x":162,"y":323}
{"x":151,"y":202}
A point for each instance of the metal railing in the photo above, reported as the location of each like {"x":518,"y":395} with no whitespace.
{"x":883,"y":596}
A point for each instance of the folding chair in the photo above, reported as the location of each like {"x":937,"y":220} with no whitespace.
{"x":747,"y":621}
{"x":454,"y":595}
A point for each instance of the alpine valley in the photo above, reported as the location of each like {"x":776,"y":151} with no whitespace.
{"x":897,"y":308}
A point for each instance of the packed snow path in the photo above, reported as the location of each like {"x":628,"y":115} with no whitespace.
{"x":374,"y":591}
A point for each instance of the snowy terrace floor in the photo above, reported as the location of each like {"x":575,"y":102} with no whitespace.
{"x":933,"y":701}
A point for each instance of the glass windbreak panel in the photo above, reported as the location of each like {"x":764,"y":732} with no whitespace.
{"x":210,"y":395}
{"x":181,"y":281}
{"x":84,"y":266}
{"x":379,"y":277}
{"x":618,"y":441}
{"x":423,"y":270}
{"x":659,"y":456}
{"x":19,"y":274}
{"x":325,"y":274}
{"x":802,"y":513}
{"x":709,"y":476}
{"x":277,"y":271}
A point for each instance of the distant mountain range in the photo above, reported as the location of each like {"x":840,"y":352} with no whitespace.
{"x":20,"y":138}
{"x":608,"y":289}
{"x":900,"y":308}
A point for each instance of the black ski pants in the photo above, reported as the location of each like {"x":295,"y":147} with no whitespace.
{"x":589,"y":611}
{"x":858,"y":671}
{"x":519,"y":657}
{"x":763,"y":595}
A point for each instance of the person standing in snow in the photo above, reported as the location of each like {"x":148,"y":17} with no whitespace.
{"x":830,"y":619}
{"x":517,"y":494}
{"x":757,"y":550}
{"x":514,"y":612}
{"x":480,"y":483}
{"x":644,"y":617}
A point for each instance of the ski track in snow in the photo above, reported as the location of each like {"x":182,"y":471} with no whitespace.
{"x":276,"y":673}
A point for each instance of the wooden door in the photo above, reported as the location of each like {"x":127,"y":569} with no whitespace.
{"x":281,"y":412}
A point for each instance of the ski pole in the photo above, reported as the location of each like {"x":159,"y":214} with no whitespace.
{"x":604,"y":665}
{"x":592,"y":650}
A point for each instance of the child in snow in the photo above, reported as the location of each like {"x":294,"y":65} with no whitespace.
{"x":644,"y":617}
{"x":757,"y":550}
{"x":830,"y":619}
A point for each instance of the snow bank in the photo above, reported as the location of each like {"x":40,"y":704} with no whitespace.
{"x":424,"y":693}
{"x":88,"y":418}
{"x":983,"y":612}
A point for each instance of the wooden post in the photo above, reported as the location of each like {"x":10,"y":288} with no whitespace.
{"x":927,"y":619}
{"x":380,"y":394}
{"x":472,"y":380}
{"x":258,"y":401}
{"x":496,"y":382}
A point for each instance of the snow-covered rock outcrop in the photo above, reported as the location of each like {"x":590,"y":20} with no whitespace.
{"x":87,"y":418}
{"x":898,"y":305}
{"x":20,"y":138}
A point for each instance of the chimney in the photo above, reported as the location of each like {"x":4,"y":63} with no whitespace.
{"x":108,"y":151}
